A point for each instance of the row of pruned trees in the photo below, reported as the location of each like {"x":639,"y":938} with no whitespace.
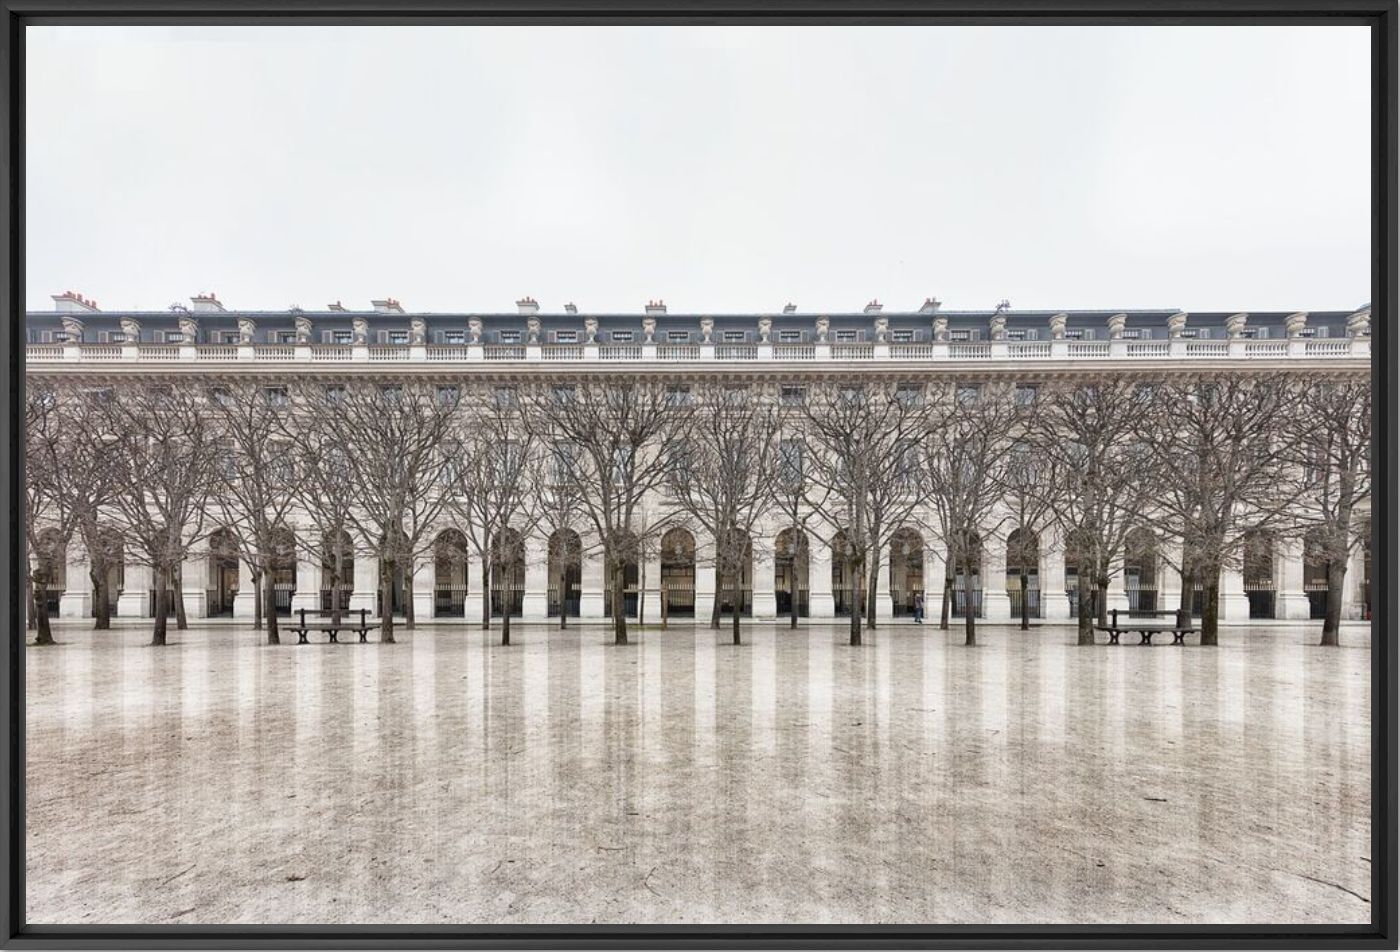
{"x":1201,"y":458}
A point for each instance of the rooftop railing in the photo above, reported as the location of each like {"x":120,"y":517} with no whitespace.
{"x":928,"y":353}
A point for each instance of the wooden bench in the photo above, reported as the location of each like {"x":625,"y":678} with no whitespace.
{"x":325,"y":621}
{"x":1145,"y":630}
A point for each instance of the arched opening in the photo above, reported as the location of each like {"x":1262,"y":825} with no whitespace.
{"x":565,"y":573}
{"x":52,"y":561}
{"x":450,"y":574}
{"x":1023,"y":572}
{"x":398,"y":591}
{"x":1259,"y":583}
{"x":740,"y":547}
{"x":678,"y":573}
{"x":337,"y":571}
{"x":109,"y":549}
{"x":282,"y":562}
{"x":1315,"y":573}
{"x":843,"y":574}
{"x":1140,"y":570}
{"x":508,"y":574}
{"x":906,"y":570}
{"x":630,"y":576}
{"x":222,"y":582}
{"x":967,"y":576}
{"x":790,"y":560}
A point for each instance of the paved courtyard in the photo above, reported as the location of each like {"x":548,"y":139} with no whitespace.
{"x":449,"y":779}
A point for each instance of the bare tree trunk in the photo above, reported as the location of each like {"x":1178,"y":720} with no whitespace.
{"x":563,"y":600}
{"x":1025,"y":602}
{"x":970,"y":614}
{"x":40,"y":602}
{"x":719,"y":602}
{"x":1085,"y":613}
{"x":181,"y":621}
{"x":642,"y":591}
{"x":335,"y":585}
{"x":1188,"y":595}
{"x":270,"y":600}
{"x":158,"y":634}
{"x":872,"y":594}
{"x":1332,"y":619}
{"x":1210,"y":610}
{"x":795,"y":589}
{"x":102,"y":607}
{"x":1101,"y":599}
{"x":410,"y":620}
{"x":857,"y":576}
{"x":258,"y":599}
{"x":487,"y":571}
{"x":387,"y":568}
{"x":505,"y":622}
{"x":619,"y":611}
{"x":947,"y":596}
{"x":737,"y":589}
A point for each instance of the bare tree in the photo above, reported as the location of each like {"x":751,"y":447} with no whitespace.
{"x":1328,"y":439}
{"x":865,"y":438}
{"x":50,"y":515}
{"x":790,"y":492}
{"x":323,"y":487}
{"x":967,"y":467}
{"x":256,"y":476}
{"x":1087,"y":432}
{"x":1219,"y":467}
{"x":720,"y":478}
{"x":1030,"y":513}
{"x":614,"y":432}
{"x":396,"y":439}
{"x":165,"y":452}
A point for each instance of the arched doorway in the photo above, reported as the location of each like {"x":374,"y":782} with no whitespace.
{"x":1259,"y":583}
{"x":678,"y":573}
{"x":282,"y":562}
{"x":52,"y":562}
{"x":450,"y":574}
{"x":740,"y":547}
{"x":565,"y":573}
{"x":1140,"y":570}
{"x":337,"y":571}
{"x":843,"y":592}
{"x":222,"y":582}
{"x":1023,"y":572}
{"x":109,"y":550}
{"x":1315,"y":573}
{"x":906,"y":570}
{"x":967,"y":576}
{"x":507,"y":574}
{"x":790,"y":559}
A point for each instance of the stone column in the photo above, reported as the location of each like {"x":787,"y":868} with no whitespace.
{"x":1054,"y":603}
{"x":366,"y":580}
{"x":1290,"y":600}
{"x":76,"y":600}
{"x":765,"y":598}
{"x":1234,"y":603}
{"x":884,"y":600}
{"x":1117,"y":591}
{"x":535,"y":604}
{"x":194,"y":574}
{"x":935,"y":565}
{"x":424,"y":579}
{"x":704,"y":580}
{"x":1169,"y":590}
{"x":996,"y":603}
{"x":308,"y":591}
{"x":473,"y":601}
{"x":820,"y":603}
{"x":243,"y":602}
{"x":135,"y":599}
{"x":591,"y":573}
{"x":1352,"y":603}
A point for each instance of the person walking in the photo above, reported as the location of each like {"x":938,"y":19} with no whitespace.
{"x":919,"y":607}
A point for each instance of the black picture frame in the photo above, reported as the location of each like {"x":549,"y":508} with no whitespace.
{"x":1380,"y":15}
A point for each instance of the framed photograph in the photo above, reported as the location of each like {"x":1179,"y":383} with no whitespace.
{"x":705,"y":474}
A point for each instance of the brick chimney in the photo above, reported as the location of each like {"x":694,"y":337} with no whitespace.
{"x":656,"y":307}
{"x":930,"y":305}
{"x":570,"y":308}
{"x":70,"y":302}
{"x":388,"y":306}
{"x":874,"y":307}
{"x":789,"y":308}
{"x":527,"y":306}
{"x":205,"y":303}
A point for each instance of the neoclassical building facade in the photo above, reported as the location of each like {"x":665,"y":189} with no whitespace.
{"x":1274,"y":578}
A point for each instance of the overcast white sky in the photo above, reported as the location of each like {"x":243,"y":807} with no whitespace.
{"x":722,"y":169}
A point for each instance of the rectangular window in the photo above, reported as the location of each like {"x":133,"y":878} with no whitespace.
{"x":621,"y":337}
{"x":678,"y":337}
{"x":276,"y":396}
{"x":116,"y":337}
{"x":968,"y":394}
{"x":398,"y":337}
{"x":454,"y":337}
{"x":909,"y":394}
{"x":845,"y":337}
{"x":1022,"y":333}
{"x":286,"y":337}
{"x":734,"y":337}
{"x":678,"y":396}
{"x":335,"y":393}
{"x":790,"y":462}
{"x":174,"y":337}
{"x":789,"y":337}
{"x":1026,"y":394}
{"x":505,"y":396}
{"x":391,"y":394}
{"x":563,"y":394}
{"x":960,"y":334}
{"x":902,"y":337}
{"x":564,"y":464}
{"x":448,"y":395}
{"x":508,"y":337}
{"x":566,"y":337}
{"x":342,"y":337}
{"x":792,"y":395}
{"x":735,"y":396}
{"x":221,"y":397}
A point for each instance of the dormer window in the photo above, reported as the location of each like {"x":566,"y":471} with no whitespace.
{"x":342,"y":337}
{"x":454,"y":337}
{"x":1021,"y":333}
{"x":509,"y":337}
{"x":286,"y":337}
{"x":1137,"y":333}
{"x":845,"y":337}
{"x":566,"y":337}
{"x":1079,"y":333}
{"x":960,"y":335}
{"x":902,"y":337}
{"x":174,"y":337}
{"x":678,"y":337}
{"x":734,"y":337}
{"x":397,"y":337}
{"x":621,"y":337}
{"x":789,"y":337}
